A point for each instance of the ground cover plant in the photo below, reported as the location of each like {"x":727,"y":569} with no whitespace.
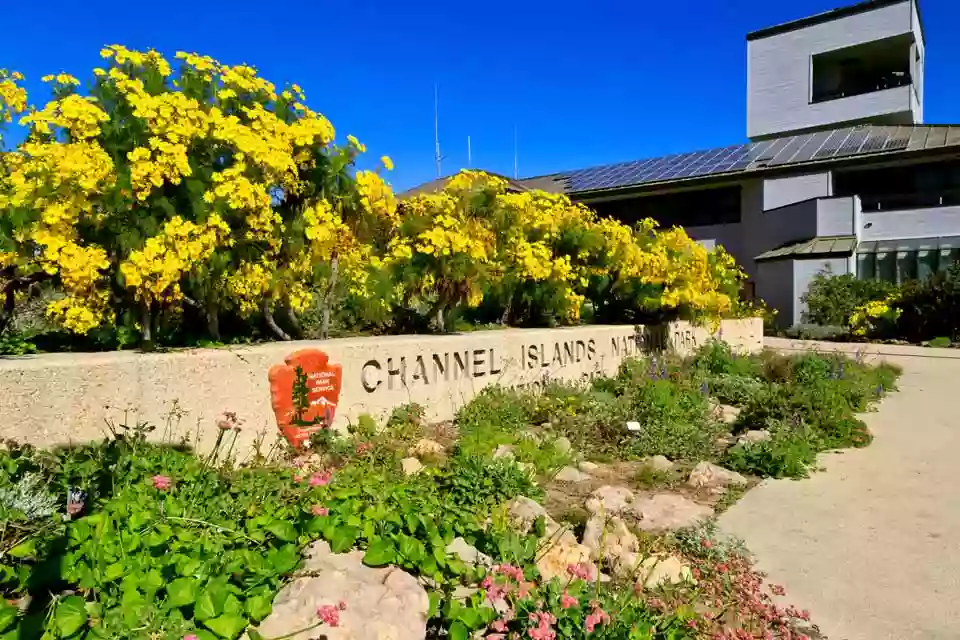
{"x":129,"y":538}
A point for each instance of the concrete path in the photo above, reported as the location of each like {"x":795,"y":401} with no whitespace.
{"x":871,"y":545}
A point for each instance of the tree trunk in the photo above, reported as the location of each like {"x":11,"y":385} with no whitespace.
{"x":325,"y":314}
{"x":271,"y":322}
{"x":505,"y":318}
{"x":146,"y":327}
{"x":294,"y":322}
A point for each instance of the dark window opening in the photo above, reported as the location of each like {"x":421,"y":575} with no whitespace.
{"x":908,"y":187}
{"x":684,"y":209}
{"x":864,"y":68}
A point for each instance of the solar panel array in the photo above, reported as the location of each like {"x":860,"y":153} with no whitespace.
{"x":808,"y":147}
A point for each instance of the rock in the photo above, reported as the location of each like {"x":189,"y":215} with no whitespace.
{"x":524,"y":513}
{"x":528,"y":467}
{"x":563,"y":445}
{"x":504,"y":451}
{"x":553,"y":562}
{"x":633,"y":425}
{"x":608,"y":539}
{"x":668,"y":512}
{"x":426,"y":447}
{"x":570,"y":474}
{"x":726,"y":413}
{"x":669,"y":570}
{"x":468,"y":553}
{"x":411,"y":466}
{"x":752,"y":437}
{"x":610,"y":500}
{"x":588,"y":467}
{"x":708,"y":475}
{"x":627,"y":564}
{"x":660,"y":464}
{"x":380,"y":603}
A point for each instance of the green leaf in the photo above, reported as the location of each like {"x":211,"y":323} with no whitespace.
{"x":71,"y":615}
{"x":232,"y":605}
{"x":343,"y":539}
{"x":8,"y":614}
{"x":114,"y":571}
{"x":205,"y":608}
{"x":258,"y":607}
{"x":253,"y":634}
{"x":380,"y":552}
{"x":26,"y":549}
{"x":182,"y":591}
{"x":458,"y":631}
{"x":229,"y":625}
{"x":203,"y":634}
{"x":282,"y":529}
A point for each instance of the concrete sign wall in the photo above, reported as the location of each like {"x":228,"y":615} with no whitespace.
{"x":60,"y":398}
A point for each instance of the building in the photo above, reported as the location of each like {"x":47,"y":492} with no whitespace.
{"x":839,"y":173}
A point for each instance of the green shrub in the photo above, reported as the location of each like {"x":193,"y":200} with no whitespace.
{"x":831,"y":299}
{"x":818,"y":332}
{"x":717,"y":357}
{"x":930,"y":308}
{"x":674,"y":421}
{"x":789,"y":453}
{"x":734,"y":389}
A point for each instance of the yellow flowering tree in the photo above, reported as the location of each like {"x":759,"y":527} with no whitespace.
{"x":175,"y":199}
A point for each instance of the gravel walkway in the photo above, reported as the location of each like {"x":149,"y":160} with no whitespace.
{"x":871,"y":545}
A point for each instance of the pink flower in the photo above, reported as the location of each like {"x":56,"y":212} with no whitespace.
{"x":597,"y":616}
{"x":190,"y":637}
{"x":74,"y":507}
{"x":567,"y":601}
{"x":319,"y":510}
{"x":510,"y":571}
{"x":298,"y":477}
{"x":499,"y":626}
{"x":497,"y":636}
{"x":162,"y":483}
{"x":321,"y":479}
{"x":580,"y":570}
{"x":363,"y":447}
{"x":329,"y":614}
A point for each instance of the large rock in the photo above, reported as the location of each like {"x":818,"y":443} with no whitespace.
{"x":560,"y":554}
{"x":609,"y":500}
{"x":726,"y":413}
{"x":380,"y":603}
{"x":425,"y":447}
{"x":668,"y":512}
{"x":588,"y":467}
{"x":524,"y":513}
{"x":571,"y":474}
{"x":562,"y":445}
{"x":608,"y":539}
{"x":707,"y":475}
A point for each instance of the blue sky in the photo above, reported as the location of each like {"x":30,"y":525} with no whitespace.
{"x":584,"y":83}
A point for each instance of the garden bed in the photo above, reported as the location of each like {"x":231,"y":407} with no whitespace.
{"x":584,"y":509}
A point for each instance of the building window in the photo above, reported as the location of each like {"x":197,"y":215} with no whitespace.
{"x":899,"y":267}
{"x":683,"y":209}
{"x":864,"y":68}
{"x":916,"y":186}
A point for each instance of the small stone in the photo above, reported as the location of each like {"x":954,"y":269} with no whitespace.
{"x":426,"y":447}
{"x":633,"y":426}
{"x":468,"y":553}
{"x":752,"y":437}
{"x":504,"y":451}
{"x":524,"y":513}
{"x":726,"y":413}
{"x":707,"y":475}
{"x":669,"y":570}
{"x":588,"y":467}
{"x":411,"y":466}
{"x":668,"y":512}
{"x":661,"y":464}
{"x":570,"y":474}
{"x":563,"y":445}
{"x":609,"y":500}
{"x":608,"y":539}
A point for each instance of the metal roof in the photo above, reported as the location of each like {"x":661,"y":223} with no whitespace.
{"x":826,"y":16}
{"x":809,"y":248}
{"x":819,"y":147}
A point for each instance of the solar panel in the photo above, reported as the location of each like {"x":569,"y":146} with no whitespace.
{"x":833,"y":143}
{"x":810,"y":147}
{"x":790,"y":150}
{"x":727,"y":163}
{"x":622,"y":173}
{"x":753,"y":152}
{"x":770,"y":152}
{"x":853,"y":142}
{"x":936,"y":138}
{"x":898,"y":139}
{"x":953,"y":136}
{"x":876,"y":138}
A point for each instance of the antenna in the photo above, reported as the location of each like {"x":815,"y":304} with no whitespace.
{"x":469,"y":155}
{"x":516,"y":159}
{"x":436,"y":127}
